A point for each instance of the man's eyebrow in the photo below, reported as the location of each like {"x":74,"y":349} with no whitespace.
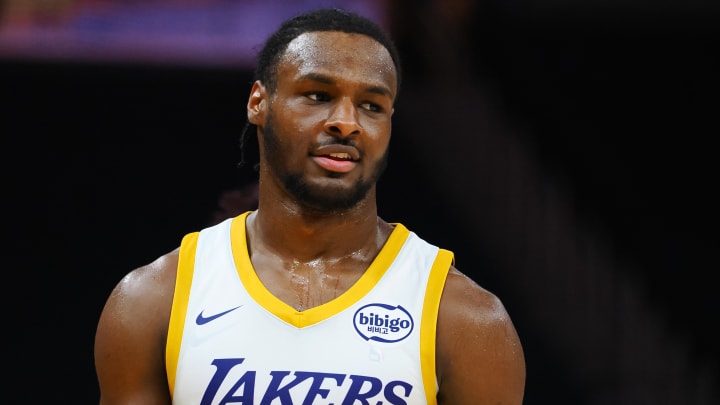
{"x":381,"y":90}
{"x":321,"y":78}
{"x":316,"y":77}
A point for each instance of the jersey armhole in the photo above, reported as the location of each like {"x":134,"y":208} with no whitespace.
{"x":428,"y":333}
{"x":178,"y":311}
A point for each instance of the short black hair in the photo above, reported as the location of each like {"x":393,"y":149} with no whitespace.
{"x":324,"y":19}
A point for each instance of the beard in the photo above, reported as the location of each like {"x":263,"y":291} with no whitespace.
{"x":318,"y":197}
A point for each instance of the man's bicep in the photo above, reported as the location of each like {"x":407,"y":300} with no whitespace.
{"x":129,"y":347}
{"x":480,"y":356}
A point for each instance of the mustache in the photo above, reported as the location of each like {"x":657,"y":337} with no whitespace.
{"x":339,"y":141}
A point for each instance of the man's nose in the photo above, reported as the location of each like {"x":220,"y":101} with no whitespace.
{"x":343,"y":119}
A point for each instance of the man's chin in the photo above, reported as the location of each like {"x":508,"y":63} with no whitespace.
{"x":327,"y":194}
{"x":329,"y":202}
{"x":332,"y":198}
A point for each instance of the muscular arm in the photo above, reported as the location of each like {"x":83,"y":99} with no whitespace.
{"x":480,"y":360}
{"x":130,"y":337}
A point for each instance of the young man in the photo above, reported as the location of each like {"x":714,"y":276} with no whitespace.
{"x":311,"y":298}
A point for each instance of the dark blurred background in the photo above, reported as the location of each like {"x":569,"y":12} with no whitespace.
{"x":563,"y":150}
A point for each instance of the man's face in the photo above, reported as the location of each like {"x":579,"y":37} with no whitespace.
{"x":325,"y":134}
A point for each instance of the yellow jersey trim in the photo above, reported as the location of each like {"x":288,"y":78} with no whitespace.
{"x":287,"y":313}
{"x":428,"y":329}
{"x":178,"y":312}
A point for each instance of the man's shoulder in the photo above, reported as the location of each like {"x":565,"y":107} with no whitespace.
{"x":151,"y":279}
{"x":463,"y":298}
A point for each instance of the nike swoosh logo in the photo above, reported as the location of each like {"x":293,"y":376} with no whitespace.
{"x":202,"y":320}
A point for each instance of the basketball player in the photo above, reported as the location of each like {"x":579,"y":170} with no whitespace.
{"x":311,"y":298}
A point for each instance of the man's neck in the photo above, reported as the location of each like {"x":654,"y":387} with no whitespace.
{"x":308,"y":235}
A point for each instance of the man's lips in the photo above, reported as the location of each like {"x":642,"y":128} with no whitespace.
{"x":332,"y":163}
{"x":344,"y":152}
{"x":336,"y":158}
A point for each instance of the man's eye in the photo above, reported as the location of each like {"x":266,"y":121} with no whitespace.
{"x":371,"y":107}
{"x":318,"y":96}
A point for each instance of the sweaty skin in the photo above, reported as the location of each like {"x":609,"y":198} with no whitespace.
{"x":324,"y":134}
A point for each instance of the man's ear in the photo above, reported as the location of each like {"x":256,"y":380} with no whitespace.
{"x":257,"y":104}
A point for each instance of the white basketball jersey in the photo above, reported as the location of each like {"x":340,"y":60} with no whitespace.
{"x":230,"y":341}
